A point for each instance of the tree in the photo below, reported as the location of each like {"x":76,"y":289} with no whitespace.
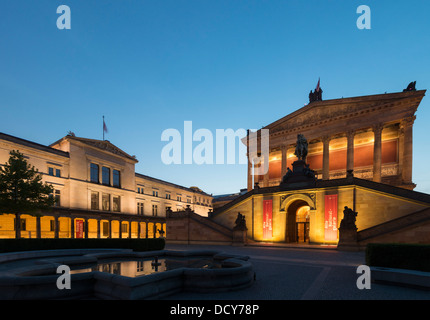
{"x":22,"y":189}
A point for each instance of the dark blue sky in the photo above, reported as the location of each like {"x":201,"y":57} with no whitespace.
{"x":148,"y":66}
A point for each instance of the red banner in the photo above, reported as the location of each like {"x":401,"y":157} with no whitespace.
{"x":79,"y":229}
{"x":267,"y":219}
{"x":330,"y":220}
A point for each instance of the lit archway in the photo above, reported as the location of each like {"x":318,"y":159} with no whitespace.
{"x":297,"y":221}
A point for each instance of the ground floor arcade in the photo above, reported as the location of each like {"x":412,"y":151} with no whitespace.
{"x":80,"y":224}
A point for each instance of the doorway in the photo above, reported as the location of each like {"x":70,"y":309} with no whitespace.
{"x":302,"y":224}
{"x":298,"y":226}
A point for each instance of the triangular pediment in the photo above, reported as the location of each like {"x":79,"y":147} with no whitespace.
{"x":323,"y":111}
{"x":103,"y":145}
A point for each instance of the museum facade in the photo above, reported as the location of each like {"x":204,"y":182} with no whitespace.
{"x":97,"y":191}
{"x":358,"y":157}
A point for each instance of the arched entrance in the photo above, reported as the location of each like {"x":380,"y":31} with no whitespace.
{"x":297,"y":222}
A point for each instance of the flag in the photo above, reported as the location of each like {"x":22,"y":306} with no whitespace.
{"x":104,"y":127}
{"x":318,"y":86}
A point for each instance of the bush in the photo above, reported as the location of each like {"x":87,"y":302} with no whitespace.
{"x":399,"y":256}
{"x":14,"y":245}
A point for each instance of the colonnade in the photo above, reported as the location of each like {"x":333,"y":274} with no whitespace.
{"x":78,"y":226}
{"x":404,"y":152}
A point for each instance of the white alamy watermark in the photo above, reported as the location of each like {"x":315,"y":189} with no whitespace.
{"x":363,"y":281}
{"x":63,"y":281}
{"x":222,"y":147}
{"x":364,"y":20}
{"x":64,"y":21}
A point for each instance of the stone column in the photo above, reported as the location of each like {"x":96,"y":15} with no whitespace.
{"x":38,"y":229}
{"x":406,"y":126}
{"x":72,"y":227}
{"x":129,"y":229}
{"x":350,"y":150}
{"x":138,"y":229}
{"x":17,"y":226}
{"x":56,"y":227}
{"x":326,"y":157}
{"x":86,"y":227}
{"x":266,"y":175}
{"x":120,"y":229}
{"x":283,"y":161}
{"x":146,"y":229}
{"x":110,"y":229}
{"x":377,"y":152}
{"x":250,"y":187}
{"x":98,"y":228}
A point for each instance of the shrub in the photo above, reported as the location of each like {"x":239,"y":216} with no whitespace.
{"x":399,"y":256}
{"x":14,"y":245}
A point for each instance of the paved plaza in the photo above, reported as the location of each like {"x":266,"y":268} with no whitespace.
{"x":288,"y":273}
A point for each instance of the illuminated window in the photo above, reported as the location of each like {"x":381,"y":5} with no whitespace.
{"x":57,"y":197}
{"x":106,"y":176}
{"x":105,"y":228}
{"x":140,"y":208}
{"x":94,"y":173}
{"x":116,"y":177}
{"x":106,"y":202}
{"x":94,"y":200}
{"x":52,"y":225}
{"x":116,"y":204}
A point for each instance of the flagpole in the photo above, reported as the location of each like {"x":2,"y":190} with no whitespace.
{"x":103,"y":128}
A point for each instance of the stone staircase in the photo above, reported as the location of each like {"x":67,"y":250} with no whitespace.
{"x":419,"y":220}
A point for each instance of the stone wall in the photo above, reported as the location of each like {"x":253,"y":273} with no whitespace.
{"x":189,"y":227}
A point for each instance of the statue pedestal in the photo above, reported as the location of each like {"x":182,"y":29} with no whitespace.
{"x":239,"y":237}
{"x":300,"y":176}
{"x":348,"y":239}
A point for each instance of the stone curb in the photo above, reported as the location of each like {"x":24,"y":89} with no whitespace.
{"x":402,"y":277}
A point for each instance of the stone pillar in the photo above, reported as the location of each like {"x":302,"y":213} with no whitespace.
{"x":56,"y":227}
{"x":86,"y":227}
{"x":110,"y":229}
{"x":326,"y":157}
{"x":283,"y":161}
{"x":72,"y":227}
{"x":406,"y":126}
{"x":120,"y":229}
{"x":249,"y":173}
{"x":17,"y":226}
{"x":38,"y":230}
{"x":98,"y":228}
{"x":266,"y":175}
{"x":129,"y":229}
{"x":350,"y":150}
{"x":377,"y":152}
{"x":146,"y":229}
{"x":138,"y":229}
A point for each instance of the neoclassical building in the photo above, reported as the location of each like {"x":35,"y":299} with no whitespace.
{"x":360,"y":151}
{"x":98,"y":193}
{"x":371,"y":135}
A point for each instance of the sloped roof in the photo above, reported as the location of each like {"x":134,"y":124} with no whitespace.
{"x":31,"y":144}
{"x":104,"y":145}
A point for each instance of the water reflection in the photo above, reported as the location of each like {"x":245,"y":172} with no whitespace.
{"x":137,"y":268}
